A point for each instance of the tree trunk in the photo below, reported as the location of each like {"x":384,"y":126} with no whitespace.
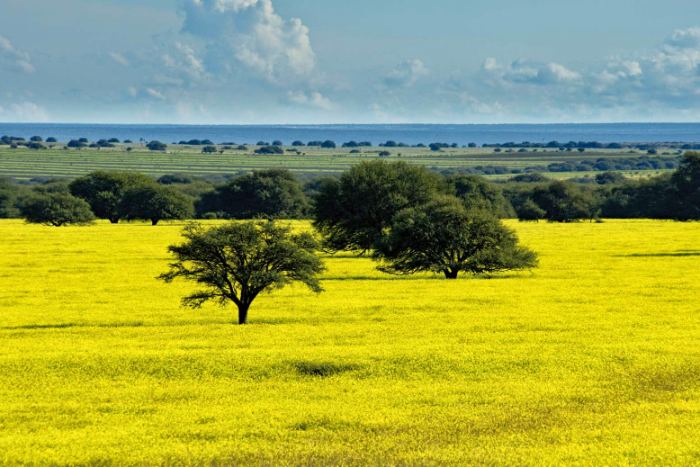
{"x":449,"y":274}
{"x":114,"y":220}
{"x":243,"y":314}
{"x":154,"y":221}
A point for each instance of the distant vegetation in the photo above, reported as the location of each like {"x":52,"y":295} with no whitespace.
{"x":352,"y":210}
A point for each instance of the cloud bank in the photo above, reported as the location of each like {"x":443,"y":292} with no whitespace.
{"x":13,"y":59}
{"x":252,"y":34}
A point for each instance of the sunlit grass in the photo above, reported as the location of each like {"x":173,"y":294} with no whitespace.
{"x":592,"y":359}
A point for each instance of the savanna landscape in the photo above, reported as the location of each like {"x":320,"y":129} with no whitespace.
{"x":286,"y":233}
{"x":589,"y":360}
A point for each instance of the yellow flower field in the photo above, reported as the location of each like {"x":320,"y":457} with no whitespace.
{"x":592,"y":359}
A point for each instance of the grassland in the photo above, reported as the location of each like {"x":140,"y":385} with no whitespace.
{"x":593,"y":359}
{"x":25,"y":164}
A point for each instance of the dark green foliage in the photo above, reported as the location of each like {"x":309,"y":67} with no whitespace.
{"x":328,"y":144}
{"x":104,"y":191}
{"x":242,"y":148}
{"x":351,"y":213}
{"x":384,"y":154}
{"x":157,"y":146}
{"x":51,"y":139}
{"x":298,"y":143}
{"x":444,"y":237}
{"x":174,"y":179}
{"x":36,"y":146}
{"x":56,"y":209}
{"x":686,"y":187}
{"x":37,"y":139}
{"x":534,"y":177}
{"x":269,"y":150}
{"x":239,"y":261}
{"x":313,"y":187}
{"x":609,"y":178}
{"x":76,"y":144}
{"x":209,"y":149}
{"x":155,"y":203}
{"x":563,"y":202}
{"x":476,"y":192}
{"x":273,"y":194}
{"x":103,"y":143}
{"x":530,"y":212}
{"x":277,"y":143}
{"x":653,"y":199}
{"x":11,"y":195}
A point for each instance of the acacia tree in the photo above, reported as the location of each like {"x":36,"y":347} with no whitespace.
{"x":239,"y":261}
{"x":352,"y":213}
{"x":104,"y":190}
{"x":56,"y":209}
{"x":444,"y":237}
{"x":155,"y":203}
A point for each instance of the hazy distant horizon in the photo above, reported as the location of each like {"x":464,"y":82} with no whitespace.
{"x":376,"y":133}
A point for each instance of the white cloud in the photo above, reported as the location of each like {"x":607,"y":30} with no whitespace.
{"x":313,"y":99}
{"x":252,"y":34}
{"x":406,"y":74}
{"x":26,"y":112}
{"x":119,"y":58}
{"x":15,"y":60}
{"x":685,"y":39}
{"x":155,"y":93}
{"x":182,"y":59}
{"x":526,"y":71}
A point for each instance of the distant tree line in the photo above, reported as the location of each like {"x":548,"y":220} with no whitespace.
{"x":602,"y":164}
{"x":279,"y":194}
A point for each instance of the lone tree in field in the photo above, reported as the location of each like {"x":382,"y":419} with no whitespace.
{"x":239,"y":261}
{"x":56,"y":209}
{"x":444,"y":237}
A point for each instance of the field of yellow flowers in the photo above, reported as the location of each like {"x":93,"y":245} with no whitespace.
{"x":592,"y":359}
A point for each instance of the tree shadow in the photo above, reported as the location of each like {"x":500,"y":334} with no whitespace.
{"x":678,"y":254}
{"x":462,"y":277}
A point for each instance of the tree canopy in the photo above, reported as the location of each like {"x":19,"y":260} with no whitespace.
{"x":239,"y":261}
{"x":104,"y":191}
{"x":56,"y":209}
{"x":686,"y":186}
{"x":477,"y":192}
{"x":445,"y":237}
{"x":273,"y":194}
{"x":155,"y":203}
{"x":351,"y":213}
{"x":157,"y":146}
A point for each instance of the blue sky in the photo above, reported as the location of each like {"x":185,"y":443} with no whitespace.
{"x":363,"y":61}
